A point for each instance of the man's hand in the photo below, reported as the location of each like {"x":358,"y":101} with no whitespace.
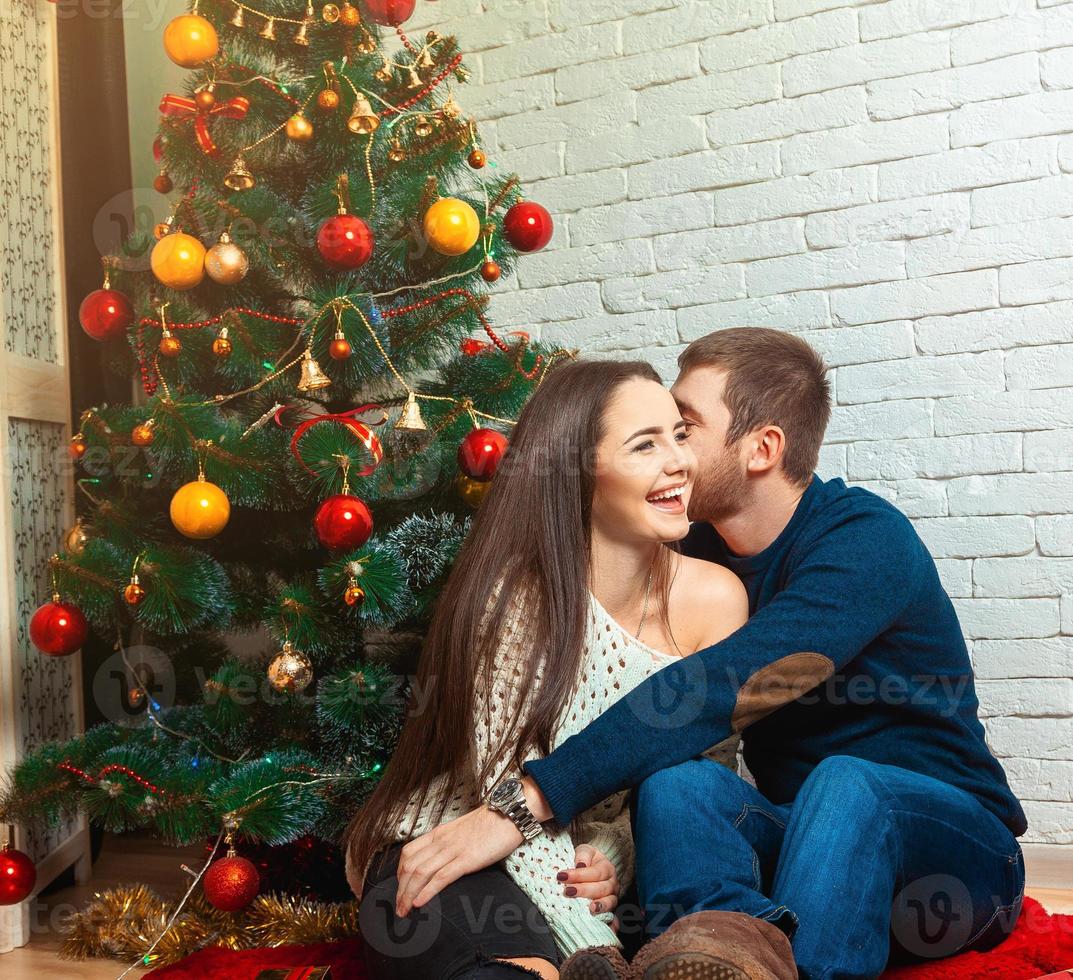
{"x":593,"y":877}
{"x":431,"y":862}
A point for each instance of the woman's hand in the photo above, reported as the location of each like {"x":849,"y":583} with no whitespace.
{"x":431,"y":862}
{"x":593,"y":877}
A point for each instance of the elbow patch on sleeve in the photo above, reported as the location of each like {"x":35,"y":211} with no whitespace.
{"x":777,"y":684}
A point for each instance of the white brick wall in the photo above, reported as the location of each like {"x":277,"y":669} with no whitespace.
{"x":894,"y":180}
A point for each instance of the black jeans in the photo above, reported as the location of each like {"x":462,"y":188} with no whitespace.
{"x":462,"y":934}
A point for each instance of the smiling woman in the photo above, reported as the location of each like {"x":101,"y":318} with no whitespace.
{"x":525,"y":648}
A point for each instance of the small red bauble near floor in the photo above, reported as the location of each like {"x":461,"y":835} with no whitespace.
{"x":17,"y":876}
{"x":390,"y":13}
{"x":343,"y":522}
{"x":528,"y":226}
{"x":105,"y":313}
{"x":490,"y":271}
{"x":58,"y":628}
{"x":345,"y":241}
{"x":480,"y":453}
{"x":231,"y":883}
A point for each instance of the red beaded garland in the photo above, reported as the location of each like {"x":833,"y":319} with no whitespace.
{"x":17,"y":876}
{"x":105,"y":313}
{"x":528,"y":226}
{"x":480,"y":453}
{"x":343,"y":522}
{"x":231,"y":883}
{"x":58,"y":628}
{"x":345,"y":241}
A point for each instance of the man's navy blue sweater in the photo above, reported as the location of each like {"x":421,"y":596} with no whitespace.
{"x":849,"y":580}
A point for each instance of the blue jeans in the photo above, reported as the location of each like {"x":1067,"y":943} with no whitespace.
{"x":868,"y":863}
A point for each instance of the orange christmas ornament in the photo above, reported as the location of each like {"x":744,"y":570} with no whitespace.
{"x":178,"y":261}
{"x":451,"y":226}
{"x":190,"y":40}
{"x":200,"y":509}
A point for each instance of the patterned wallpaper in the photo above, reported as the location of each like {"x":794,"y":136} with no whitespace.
{"x":46,"y":690}
{"x":27,"y":184}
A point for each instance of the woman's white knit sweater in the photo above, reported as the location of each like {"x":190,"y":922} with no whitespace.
{"x":613,"y":663}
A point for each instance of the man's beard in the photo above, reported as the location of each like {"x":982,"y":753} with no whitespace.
{"x":721,"y":489}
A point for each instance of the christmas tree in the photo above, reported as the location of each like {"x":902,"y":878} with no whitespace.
{"x":322,"y":403}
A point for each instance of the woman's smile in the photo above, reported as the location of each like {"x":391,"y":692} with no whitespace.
{"x":670,"y":500}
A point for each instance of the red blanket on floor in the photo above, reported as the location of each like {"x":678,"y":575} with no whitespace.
{"x":1040,"y":944}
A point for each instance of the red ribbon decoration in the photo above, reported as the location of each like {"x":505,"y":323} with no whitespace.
{"x":363,"y":433}
{"x":177,"y":105}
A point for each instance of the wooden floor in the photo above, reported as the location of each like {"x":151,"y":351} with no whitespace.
{"x":124,"y":860}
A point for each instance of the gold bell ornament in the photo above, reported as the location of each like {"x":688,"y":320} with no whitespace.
{"x":268,"y":32}
{"x":238,"y":18}
{"x":363,"y":121}
{"x":354,"y":595}
{"x":301,"y":37}
{"x":313,"y":378}
{"x":239,"y":177}
{"x":410,"y":419}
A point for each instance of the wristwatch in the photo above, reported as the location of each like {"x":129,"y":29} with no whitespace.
{"x":508,"y":799}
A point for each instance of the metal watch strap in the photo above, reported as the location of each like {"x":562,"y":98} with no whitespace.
{"x":523,"y":819}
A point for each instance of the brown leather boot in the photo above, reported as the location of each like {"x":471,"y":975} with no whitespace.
{"x":716,"y":946}
{"x":595,"y":963}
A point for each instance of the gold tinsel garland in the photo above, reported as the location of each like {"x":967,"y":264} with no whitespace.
{"x":123,"y":922}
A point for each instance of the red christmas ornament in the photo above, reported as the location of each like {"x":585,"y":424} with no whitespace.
{"x":105,"y":313}
{"x":390,"y":13}
{"x":528,"y":226}
{"x":345,"y":241}
{"x":490,"y":270}
{"x":471,"y":346}
{"x":343,"y":522}
{"x":480,"y":453}
{"x":231,"y":883}
{"x":339,"y":349}
{"x":58,"y":628}
{"x":17,"y":876}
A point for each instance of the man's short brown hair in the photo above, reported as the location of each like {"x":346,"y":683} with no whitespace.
{"x":772,"y":378}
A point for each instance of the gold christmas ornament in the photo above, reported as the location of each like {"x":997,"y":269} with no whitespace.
{"x":363,"y":120}
{"x":472,"y":491}
{"x":299,"y":128}
{"x":477,"y":159}
{"x":268,"y":32}
{"x":290,"y":670}
{"x":170,"y":345}
{"x":301,"y":37}
{"x":178,"y":261}
{"x":450,"y":108}
{"x":143,"y":434}
{"x":200,"y":509}
{"x":76,"y":539}
{"x":226,"y":263}
{"x":206,"y":97}
{"x":330,"y":13}
{"x":349,"y":16}
{"x":410,"y":420}
{"x":133,"y":594}
{"x":354,"y":594}
{"x":239,"y":177}
{"x":312,"y":378}
{"x":238,"y":18}
{"x":422,"y":127}
{"x":221,"y":344}
{"x":327,"y":100}
{"x":384,"y":74}
{"x":190,"y":41}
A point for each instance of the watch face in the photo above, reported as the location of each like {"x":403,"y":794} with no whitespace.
{"x":505,"y":792}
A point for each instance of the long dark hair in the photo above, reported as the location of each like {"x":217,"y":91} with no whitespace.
{"x":530,"y":538}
